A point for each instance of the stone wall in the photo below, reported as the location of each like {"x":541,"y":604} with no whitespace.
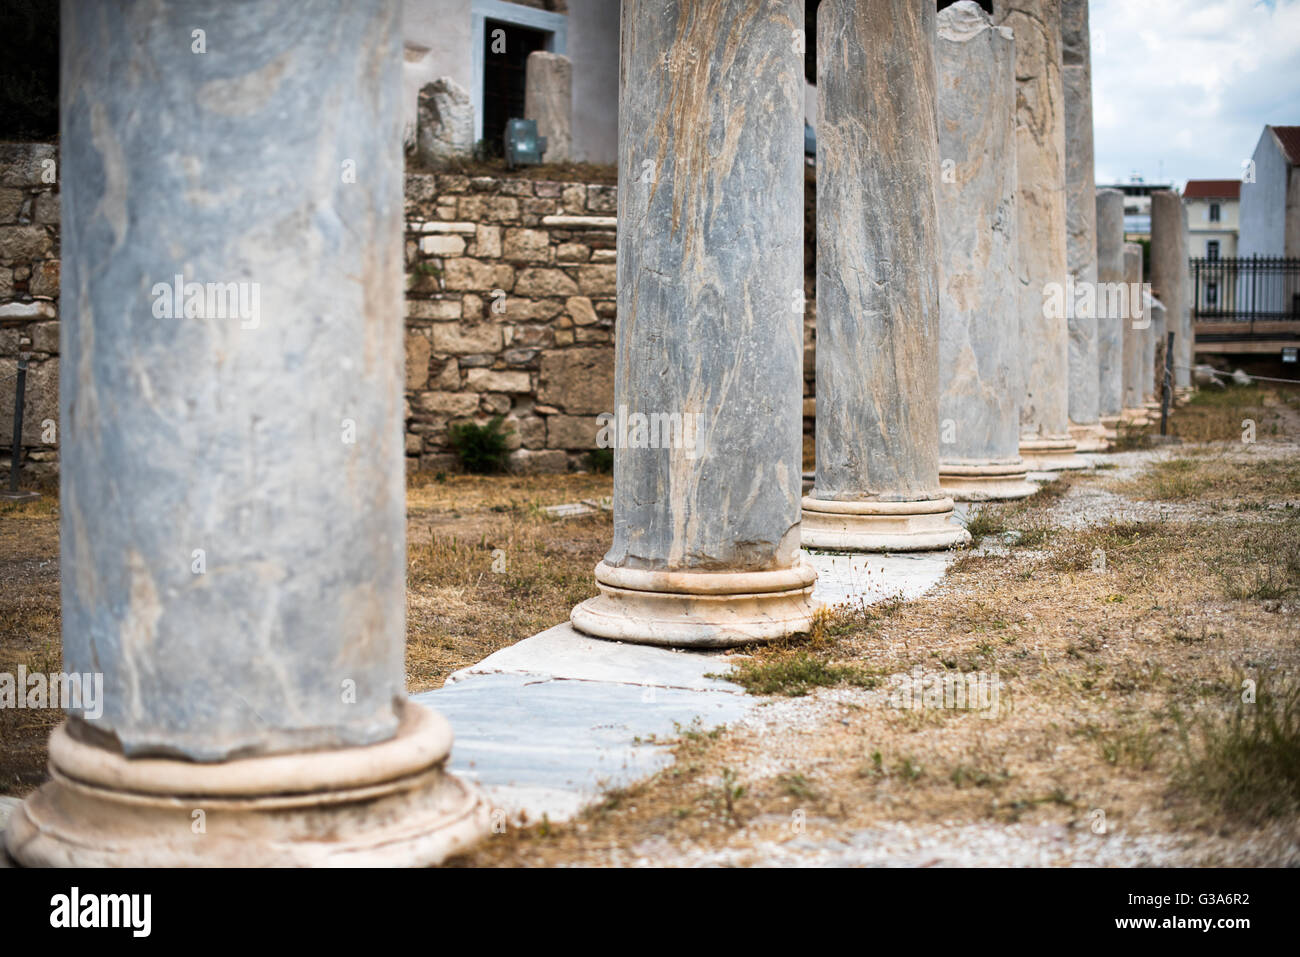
{"x":29,"y":298}
{"x":510,"y":309}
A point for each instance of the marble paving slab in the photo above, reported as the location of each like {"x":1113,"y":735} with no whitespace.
{"x":547,"y":725}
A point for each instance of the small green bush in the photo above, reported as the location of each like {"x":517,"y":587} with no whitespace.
{"x":480,"y":448}
{"x":601,"y":460}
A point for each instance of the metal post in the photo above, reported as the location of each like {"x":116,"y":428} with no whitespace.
{"x":1168,"y":390}
{"x":16,"y":450}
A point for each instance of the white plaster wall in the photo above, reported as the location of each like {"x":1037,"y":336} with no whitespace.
{"x":1263,"y":202}
{"x":593,"y":49}
{"x":436,"y":38}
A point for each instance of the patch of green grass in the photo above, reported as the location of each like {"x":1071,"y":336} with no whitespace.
{"x":1246,"y":763}
{"x":1130,"y":438}
{"x":797,"y":786}
{"x":1135,"y":743}
{"x":795,"y":673}
{"x":1033,"y":534}
{"x":601,"y":460}
{"x":985,"y":521}
{"x":1105,"y":546}
{"x":965,"y":775}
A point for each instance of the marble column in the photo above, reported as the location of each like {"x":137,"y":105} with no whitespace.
{"x":1153,"y":355}
{"x":877,"y":482}
{"x":710,"y":329}
{"x":1137,"y":330}
{"x":1081,"y":227}
{"x":1183,"y":380}
{"x":979,"y":412}
{"x":232,"y":504}
{"x":1110,"y":311}
{"x":1169,"y":275}
{"x":1045,"y":440}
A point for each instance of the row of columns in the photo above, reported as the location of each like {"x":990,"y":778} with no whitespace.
{"x":232,"y":521}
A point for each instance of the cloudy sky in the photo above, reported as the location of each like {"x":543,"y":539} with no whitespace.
{"x":1183,"y":88}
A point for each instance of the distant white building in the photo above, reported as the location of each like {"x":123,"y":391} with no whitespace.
{"x":1212,"y":215}
{"x":1270,"y":196}
{"x":483,"y":46}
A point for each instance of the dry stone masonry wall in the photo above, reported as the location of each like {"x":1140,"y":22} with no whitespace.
{"x":29,"y":296}
{"x":510,"y":310}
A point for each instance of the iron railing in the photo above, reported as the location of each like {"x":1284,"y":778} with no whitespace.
{"x":1247,"y":289}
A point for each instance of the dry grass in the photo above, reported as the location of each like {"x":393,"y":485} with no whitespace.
{"x":1120,"y":686}
{"x":458,"y":608}
{"x":518,"y":573}
{"x":1218,"y":474}
{"x":29,"y":628}
{"x":1217,"y":415}
{"x":454,"y":494}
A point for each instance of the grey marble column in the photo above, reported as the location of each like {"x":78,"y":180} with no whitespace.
{"x":1045,"y":439}
{"x":1081,"y":225}
{"x":979,"y":411}
{"x":1187,"y":322}
{"x":1169,"y":275}
{"x":1153,"y":355}
{"x":710,"y":325}
{"x":877,"y":484}
{"x":1110,"y":315}
{"x":232,"y":503}
{"x":1137,"y":331}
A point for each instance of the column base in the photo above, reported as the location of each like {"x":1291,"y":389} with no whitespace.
{"x":1137,"y":417}
{"x":985,"y":483}
{"x":698,"y":609}
{"x":1089,"y":438}
{"x":918,"y":526}
{"x":1051,"y":455}
{"x":390,"y":804}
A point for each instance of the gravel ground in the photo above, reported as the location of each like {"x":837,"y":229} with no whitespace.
{"x":820,"y":842}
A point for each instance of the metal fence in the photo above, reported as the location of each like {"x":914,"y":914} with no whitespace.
{"x":1248,"y":289}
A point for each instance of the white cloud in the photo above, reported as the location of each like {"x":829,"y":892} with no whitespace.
{"x":1183,"y":88}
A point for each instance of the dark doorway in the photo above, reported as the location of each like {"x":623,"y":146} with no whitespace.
{"x":505,"y":58}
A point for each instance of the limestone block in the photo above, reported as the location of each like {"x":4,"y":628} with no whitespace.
{"x":489,"y":380}
{"x":545,"y":282}
{"x":578,"y":380}
{"x":24,"y":243}
{"x":527,"y":245}
{"x":445,"y":122}
{"x":466,"y":338}
{"x":571,"y":432}
{"x":27,"y":164}
{"x":448,"y":403}
{"x":548,"y":99}
{"x":417,"y":360}
{"x":467,"y":274}
{"x":598,"y":280}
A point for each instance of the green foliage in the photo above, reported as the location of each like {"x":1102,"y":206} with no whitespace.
{"x":601,"y":460}
{"x":480,"y":448}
